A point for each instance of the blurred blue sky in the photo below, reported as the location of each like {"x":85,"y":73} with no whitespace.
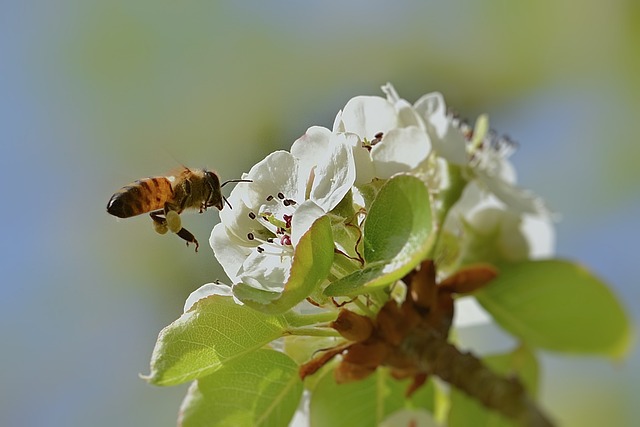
{"x":94,"y":94}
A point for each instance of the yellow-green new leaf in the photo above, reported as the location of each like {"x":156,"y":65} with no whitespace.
{"x":214,"y":331}
{"x":397,"y":237}
{"x":557,"y":305}
{"x":260,"y":389}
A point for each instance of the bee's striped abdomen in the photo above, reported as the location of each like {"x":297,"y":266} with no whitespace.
{"x":144,"y":195}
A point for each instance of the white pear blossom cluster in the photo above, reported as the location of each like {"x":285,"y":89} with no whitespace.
{"x":374,"y":138}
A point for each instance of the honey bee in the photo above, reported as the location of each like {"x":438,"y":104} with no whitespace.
{"x":166,"y":197}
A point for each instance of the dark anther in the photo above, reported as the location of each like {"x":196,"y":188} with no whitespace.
{"x":378,"y":135}
{"x":250,"y":236}
{"x":285,"y":240}
{"x":280,"y":196}
{"x":252,"y":215}
{"x":260,"y":250}
{"x":289,"y":202}
{"x":287,"y":220}
{"x":269,"y":198}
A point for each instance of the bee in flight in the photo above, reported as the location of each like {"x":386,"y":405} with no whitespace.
{"x":165,"y":197}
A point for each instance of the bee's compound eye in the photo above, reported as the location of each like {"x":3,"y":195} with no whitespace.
{"x":160,"y":228}
{"x":174,"y":223}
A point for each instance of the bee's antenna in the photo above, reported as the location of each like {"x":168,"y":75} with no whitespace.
{"x":227,"y":202}
{"x":235,"y":180}
{"x":230,"y":181}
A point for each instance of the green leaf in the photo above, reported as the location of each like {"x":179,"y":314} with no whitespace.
{"x":557,"y":305}
{"x":397,"y":237}
{"x":215,"y":331}
{"x":311,"y":264}
{"x":363,"y":403}
{"x":467,"y":411}
{"x":258,"y":389}
{"x":399,"y":220}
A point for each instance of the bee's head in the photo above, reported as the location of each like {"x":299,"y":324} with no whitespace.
{"x":215,"y":197}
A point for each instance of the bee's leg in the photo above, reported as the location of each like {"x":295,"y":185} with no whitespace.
{"x":188,"y":237}
{"x":168,"y":219}
{"x":159,"y":222}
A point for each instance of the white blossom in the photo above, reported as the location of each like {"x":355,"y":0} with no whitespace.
{"x":391,"y":137}
{"x":256,"y":239}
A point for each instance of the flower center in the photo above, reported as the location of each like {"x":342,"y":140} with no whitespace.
{"x":486,"y":148}
{"x":368,"y":145}
{"x":273,"y":225}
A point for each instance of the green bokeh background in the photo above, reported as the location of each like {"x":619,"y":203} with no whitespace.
{"x":95,"y":94}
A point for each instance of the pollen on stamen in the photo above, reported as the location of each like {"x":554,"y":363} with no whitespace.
{"x":285,"y":240}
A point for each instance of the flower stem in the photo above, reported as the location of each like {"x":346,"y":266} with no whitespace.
{"x":452,"y":193}
{"x":362,"y":306}
{"x":313,"y":332}
{"x":296,"y":320}
{"x":343,"y":265}
{"x":448,"y":197}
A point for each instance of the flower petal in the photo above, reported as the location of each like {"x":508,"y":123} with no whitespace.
{"x":266,"y":271}
{"x":368,"y":115}
{"x":540,"y":235}
{"x":503,"y":228}
{"x":516,"y":198}
{"x":237,"y":219}
{"x":336,"y":175}
{"x":407,"y":115}
{"x":305,"y":216}
{"x":447,"y":140}
{"x":469,"y":313}
{"x":229,"y":252}
{"x":312,"y":147}
{"x":401,"y":150}
{"x":276,"y":173}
